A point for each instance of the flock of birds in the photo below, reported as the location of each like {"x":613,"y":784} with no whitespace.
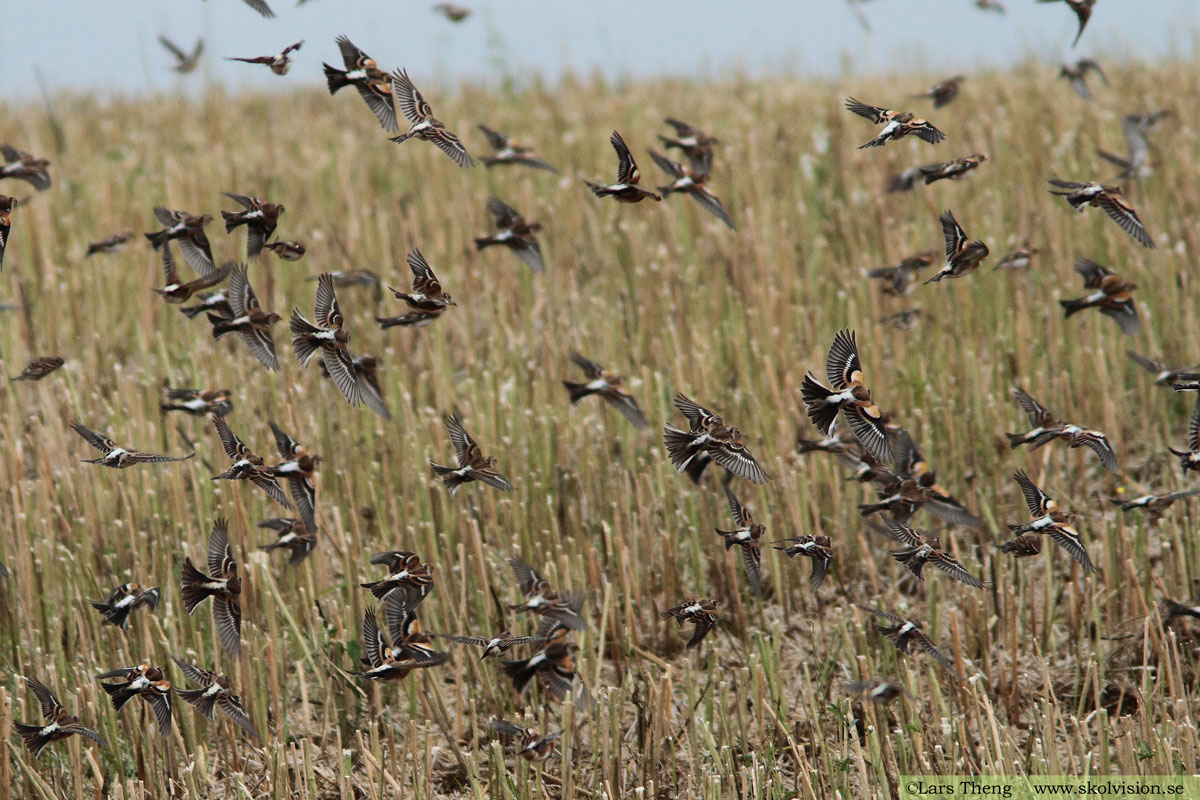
{"x":843,"y":411}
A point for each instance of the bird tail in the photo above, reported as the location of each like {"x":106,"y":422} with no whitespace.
{"x":728,"y":537}
{"x":599,"y":191}
{"x":221,"y":325}
{"x":1015,"y":440}
{"x":821,"y":413}
{"x":119,"y":693}
{"x":379,"y":589}
{"x":32,"y":736}
{"x":191,"y":311}
{"x":302,"y":340}
{"x":577,"y":391}
{"x":191,"y":580}
{"x":679,"y":446}
{"x":449,"y":476}
{"x":484,"y":241}
{"x":117,"y":616}
{"x":335,"y":78}
{"x":520,"y":673}
{"x":1073,"y":306}
{"x":909,"y":559}
{"x":158,"y":238}
{"x":402,"y":138}
{"x":232,"y":219}
{"x":867,"y":509}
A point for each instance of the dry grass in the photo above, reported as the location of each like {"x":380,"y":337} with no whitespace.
{"x":671,"y":298}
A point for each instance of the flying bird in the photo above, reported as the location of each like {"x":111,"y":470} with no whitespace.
{"x":943,"y":92}
{"x":1155,"y":504}
{"x":609,"y":386}
{"x":261,"y":7}
{"x":24,"y":167}
{"x":925,"y":549}
{"x":898,"y":278}
{"x":7,"y":204}
{"x":1049,"y":520}
{"x":557,"y":609}
{"x":279,"y":63}
{"x":245,"y":318}
{"x":472,"y":464}
{"x":247,"y":465}
{"x":109,"y":244}
{"x":1190,"y":459}
{"x":848,"y":395}
{"x":746,"y":536}
{"x":184,"y":62}
{"x":707,"y":439}
{"x":59,"y":724}
{"x":1112,"y":295}
{"x":962,"y":257}
{"x":897,"y":124}
{"x":178,"y":291}
{"x":511,"y":151}
{"x":197,"y":402}
{"x":123,"y":600}
{"x":817,"y":548}
{"x":452,"y":11}
{"x":409,"y":647}
{"x":188,"y":230}
{"x":215,"y":691}
{"x":427,"y":300}
{"x":328,"y":336}
{"x":39,"y":368}
{"x":1163,"y":375}
{"x":626,"y":189}
{"x":373,"y":85}
{"x":1136,"y":163}
{"x":879,"y":690}
{"x":423,"y":124}
{"x":903,"y":633}
{"x":222,"y":584}
{"x":701,"y":613}
{"x":692,"y":142}
{"x":146,"y":681}
{"x":297,"y":468}
{"x":1045,"y":428}
{"x":1076,"y":74}
{"x":1108,"y":198}
{"x":291,"y":535}
{"x":693,"y":183}
{"x":406,"y":574}
{"x":514,"y":233}
{"x":116,"y":456}
{"x":498,"y":645}
{"x":287,"y":250}
{"x":1083,"y":11}
{"x":532,"y":745}
{"x":259,"y":217}
{"x":957,"y":169}
{"x":1021,"y":258}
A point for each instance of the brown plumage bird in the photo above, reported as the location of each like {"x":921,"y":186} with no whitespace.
{"x":59,"y":724}
{"x":626,"y":189}
{"x":514,"y":233}
{"x":472,"y":464}
{"x":222,"y":584}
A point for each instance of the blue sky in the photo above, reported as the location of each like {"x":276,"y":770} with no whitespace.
{"x":110,"y":45}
